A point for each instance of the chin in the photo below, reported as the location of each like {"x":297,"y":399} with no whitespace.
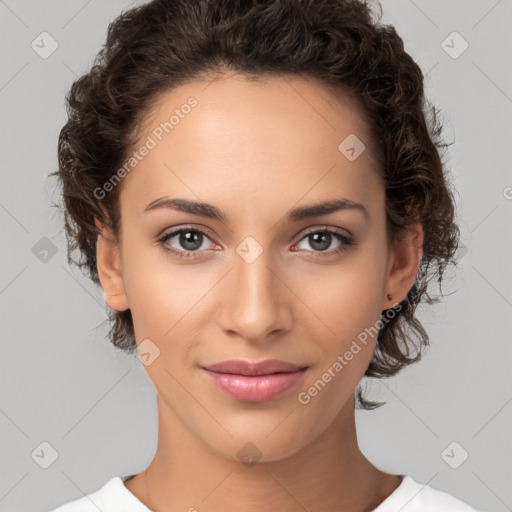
{"x":264,"y":443}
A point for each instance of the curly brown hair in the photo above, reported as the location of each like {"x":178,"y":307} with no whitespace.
{"x":152,"y":48}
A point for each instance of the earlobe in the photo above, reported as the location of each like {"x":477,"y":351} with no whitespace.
{"x":109,"y":268}
{"x":404,"y":264}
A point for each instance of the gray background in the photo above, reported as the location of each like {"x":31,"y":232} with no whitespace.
{"x":63,"y":384}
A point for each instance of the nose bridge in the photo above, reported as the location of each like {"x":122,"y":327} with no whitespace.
{"x":255,"y":297}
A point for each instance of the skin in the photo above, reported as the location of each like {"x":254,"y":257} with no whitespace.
{"x":255,"y":150}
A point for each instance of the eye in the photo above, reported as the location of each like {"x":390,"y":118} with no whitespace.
{"x":189,"y":242}
{"x":322,"y":239}
{"x":190,"y":239}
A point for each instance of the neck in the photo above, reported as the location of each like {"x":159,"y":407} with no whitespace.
{"x":185,"y":473}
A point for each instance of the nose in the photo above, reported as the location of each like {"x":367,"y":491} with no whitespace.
{"x":255,"y":301}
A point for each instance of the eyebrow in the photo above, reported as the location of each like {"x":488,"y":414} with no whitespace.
{"x":294,"y":215}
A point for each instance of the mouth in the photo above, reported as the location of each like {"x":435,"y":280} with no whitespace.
{"x":254,"y":368}
{"x":255,"y":381}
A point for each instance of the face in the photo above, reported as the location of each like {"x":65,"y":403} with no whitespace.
{"x":257,"y":283}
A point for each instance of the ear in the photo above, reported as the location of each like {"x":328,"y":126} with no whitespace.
{"x":109,"y":268}
{"x":403,"y":263}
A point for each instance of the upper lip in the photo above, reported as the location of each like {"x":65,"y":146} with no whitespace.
{"x":243,"y":367}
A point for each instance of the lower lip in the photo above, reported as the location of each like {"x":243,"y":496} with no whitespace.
{"x":258,"y":388}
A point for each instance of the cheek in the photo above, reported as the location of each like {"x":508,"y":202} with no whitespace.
{"x":342,"y":301}
{"x":351,"y":310}
{"x":343,"y":330}
{"x":167,"y":301}
{"x":160,"y":301}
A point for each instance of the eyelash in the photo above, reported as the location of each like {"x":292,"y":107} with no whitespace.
{"x":346,"y":241}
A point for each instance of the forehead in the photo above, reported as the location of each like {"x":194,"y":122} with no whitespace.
{"x":281,"y":139}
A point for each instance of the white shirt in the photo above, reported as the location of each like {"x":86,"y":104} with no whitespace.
{"x":409,"y":496}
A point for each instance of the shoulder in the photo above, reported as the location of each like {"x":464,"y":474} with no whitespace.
{"x":112,"y":497}
{"x":412,"y":496}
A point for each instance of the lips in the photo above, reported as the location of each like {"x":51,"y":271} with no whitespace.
{"x":254,"y":381}
{"x":249,"y":368}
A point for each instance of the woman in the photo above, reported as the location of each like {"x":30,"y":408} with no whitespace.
{"x":258,"y":189}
